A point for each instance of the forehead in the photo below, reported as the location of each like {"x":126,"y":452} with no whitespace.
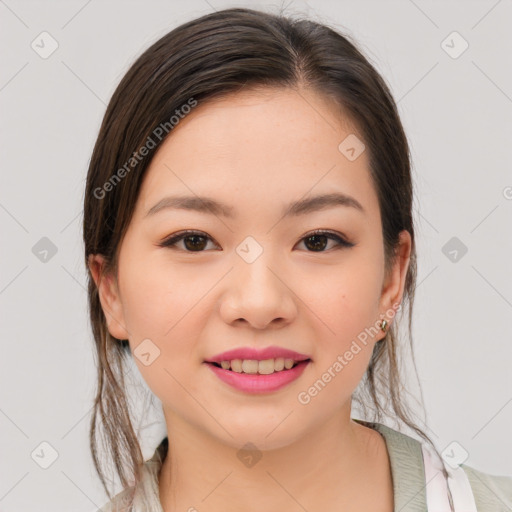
{"x":259,"y":146}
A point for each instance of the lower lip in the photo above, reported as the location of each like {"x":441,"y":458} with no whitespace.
{"x":258,"y":383}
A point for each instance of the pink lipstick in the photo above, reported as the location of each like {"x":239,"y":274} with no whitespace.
{"x":288,"y":368}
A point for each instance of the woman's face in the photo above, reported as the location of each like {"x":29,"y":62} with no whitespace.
{"x":253,"y":278}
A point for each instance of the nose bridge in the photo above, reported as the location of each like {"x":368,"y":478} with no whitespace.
{"x":256,"y":291}
{"x":257,"y":265}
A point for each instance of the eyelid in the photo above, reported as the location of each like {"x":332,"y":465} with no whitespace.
{"x":179,"y":235}
{"x":342,"y":241}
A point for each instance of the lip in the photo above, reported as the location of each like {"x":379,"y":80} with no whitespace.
{"x":272,"y":352}
{"x":256,"y":383}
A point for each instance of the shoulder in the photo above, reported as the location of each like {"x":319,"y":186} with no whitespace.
{"x":144,"y":495}
{"x":491,"y":492}
{"x":121,"y":502}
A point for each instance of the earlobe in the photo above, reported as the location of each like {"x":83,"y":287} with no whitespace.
{"x":109,"y":297}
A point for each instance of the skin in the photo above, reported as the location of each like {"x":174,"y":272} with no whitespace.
{"x":257,"y":151}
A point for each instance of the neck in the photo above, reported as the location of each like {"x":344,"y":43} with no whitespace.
{"x":332,"y":466}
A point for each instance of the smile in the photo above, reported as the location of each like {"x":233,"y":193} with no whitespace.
{"x":254,"y":376}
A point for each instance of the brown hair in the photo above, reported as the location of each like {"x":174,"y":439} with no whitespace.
{"x":211,"y":57}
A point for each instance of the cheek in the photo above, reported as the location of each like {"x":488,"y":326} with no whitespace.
{"x":345,"y":307}
{"x":345,"y":300}
{"x":164,"y":315}
{"x":158,"y":300}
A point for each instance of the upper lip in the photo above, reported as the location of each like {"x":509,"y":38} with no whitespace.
{"x":272,"y":352}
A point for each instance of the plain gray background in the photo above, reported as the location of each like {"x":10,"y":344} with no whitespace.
{"x":457,"y":112}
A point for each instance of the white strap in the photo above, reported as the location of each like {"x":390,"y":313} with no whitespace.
{"x":437,"y":486}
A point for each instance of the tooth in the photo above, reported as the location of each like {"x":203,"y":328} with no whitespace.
{"x":266,"y":366}
{"x":288,"y":363}
{"x":279,"y":364}
{"x":253,"y":366}
{"x":236,"y":365}
{"x":250,"y":366}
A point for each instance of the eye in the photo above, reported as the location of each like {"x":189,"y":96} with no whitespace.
{"x":195,"y":241}
{"x":318,"y":238}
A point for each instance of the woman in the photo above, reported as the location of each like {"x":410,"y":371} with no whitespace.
{"x":249,"y":235}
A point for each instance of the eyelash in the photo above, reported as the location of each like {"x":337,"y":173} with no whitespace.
{"x":174,"y":239}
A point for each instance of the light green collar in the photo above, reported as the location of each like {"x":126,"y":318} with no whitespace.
{"x":407,"y":471}
{"x":407,"y":468}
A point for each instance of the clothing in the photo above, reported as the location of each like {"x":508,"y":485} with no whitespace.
{"x":491,"y":493}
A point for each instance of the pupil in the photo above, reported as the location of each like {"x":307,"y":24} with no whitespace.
{"x":316,"y":245}
{"x":198,"y":242}
{"x":194,"y":244}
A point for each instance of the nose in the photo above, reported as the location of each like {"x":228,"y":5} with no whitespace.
{"x":260,"y":294}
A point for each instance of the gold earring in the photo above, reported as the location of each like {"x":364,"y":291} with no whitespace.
{"x":384,"y":325}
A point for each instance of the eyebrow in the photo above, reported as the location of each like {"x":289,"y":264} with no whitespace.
{"x":212,"y":206}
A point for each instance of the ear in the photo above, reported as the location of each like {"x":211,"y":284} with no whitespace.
{"x":394,"y":284}
{"x":109,"y":297}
